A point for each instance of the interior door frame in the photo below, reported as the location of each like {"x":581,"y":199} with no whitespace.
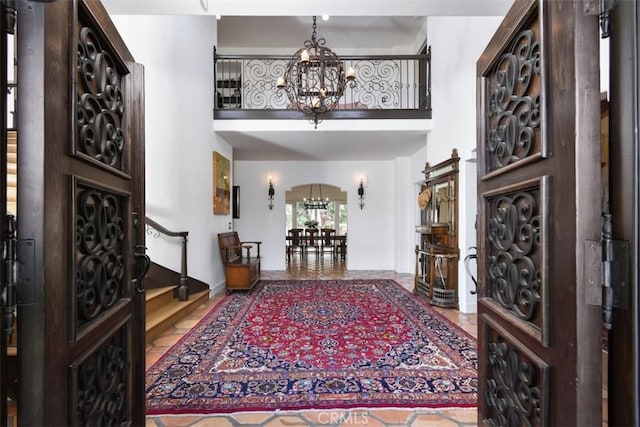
{"x":624,"y":150}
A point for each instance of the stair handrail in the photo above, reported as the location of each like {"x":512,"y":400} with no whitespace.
{"x":183,"y":289}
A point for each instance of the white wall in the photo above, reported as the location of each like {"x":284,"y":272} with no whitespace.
{"x":456,"y":44}
{"x":416,"y":179}
{"x":371,"y":230}
{"x":176,"y":52}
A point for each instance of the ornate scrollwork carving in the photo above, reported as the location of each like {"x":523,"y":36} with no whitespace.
{"x":513,"y":388}
{"x":101,"y":385}
{"x":151,"y":231}
{"x":100,"y":263}
{"x":514,"y":237}
{"x":380,"y":84}
{"x":513,"y":102}
{"x":99,"y":102}
{"x":259,"y":84}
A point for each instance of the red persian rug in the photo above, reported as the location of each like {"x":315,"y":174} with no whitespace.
{"x":316,"y":344}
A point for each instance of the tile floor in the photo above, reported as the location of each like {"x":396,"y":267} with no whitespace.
{"x":322,"y":268}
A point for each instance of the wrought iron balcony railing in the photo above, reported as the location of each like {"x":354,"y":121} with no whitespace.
{"x":387,"y":87}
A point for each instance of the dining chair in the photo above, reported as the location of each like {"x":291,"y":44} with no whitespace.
{"x":311,"y":240}
{"x":327,"y":242}
{"x":294,"y":243}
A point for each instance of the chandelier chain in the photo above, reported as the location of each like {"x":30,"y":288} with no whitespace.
{"x":313,"y":33}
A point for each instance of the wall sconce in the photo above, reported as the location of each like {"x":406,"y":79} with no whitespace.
{"x":271,"y":192}
{"x":361,"y":193}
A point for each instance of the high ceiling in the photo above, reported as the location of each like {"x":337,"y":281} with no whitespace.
{"x":373,"y":34}
{"x":369,"y":33}
{"x":309,"y":7}
{"x":393,"y":26}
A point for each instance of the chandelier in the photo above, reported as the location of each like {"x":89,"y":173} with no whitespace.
{"x":314,"y":79}
{"x":312,"y":203}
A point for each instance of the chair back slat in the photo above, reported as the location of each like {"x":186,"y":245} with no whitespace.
{"x":311,"y":234}
{"x":295,"y":236}
{"x":327,"y":233}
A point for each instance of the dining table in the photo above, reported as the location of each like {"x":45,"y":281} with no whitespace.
{"x":339,"y":243}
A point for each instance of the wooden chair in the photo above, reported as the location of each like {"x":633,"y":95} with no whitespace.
{"x":294,"y":243}
{"x":327,"y":241}
{"x":242,"y":270}
{"x":341,"y":248}
{"x":311,"y":240}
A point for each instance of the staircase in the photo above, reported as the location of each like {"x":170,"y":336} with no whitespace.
{"x":163,"y":309}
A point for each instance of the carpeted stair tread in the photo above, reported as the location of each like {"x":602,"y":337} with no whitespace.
{"x":162,"y":317}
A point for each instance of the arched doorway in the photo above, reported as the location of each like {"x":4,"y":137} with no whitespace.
{"x":334,"y":215}
{"x":316,"y":228}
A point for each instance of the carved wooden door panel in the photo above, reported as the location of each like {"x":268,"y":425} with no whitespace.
{"x":80,"y":192}
{"x":538,"y":202}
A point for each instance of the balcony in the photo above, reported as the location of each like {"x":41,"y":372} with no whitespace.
{"x":387,"y":87}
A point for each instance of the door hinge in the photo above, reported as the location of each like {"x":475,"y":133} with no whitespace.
{"x":607,"y":273}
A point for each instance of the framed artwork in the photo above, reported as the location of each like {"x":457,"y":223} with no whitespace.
{"x":221,"y":187}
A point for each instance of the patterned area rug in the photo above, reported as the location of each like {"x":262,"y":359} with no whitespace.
{"x":316,"y":344}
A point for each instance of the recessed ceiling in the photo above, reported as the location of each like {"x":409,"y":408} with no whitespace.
{"x":316,"y":145}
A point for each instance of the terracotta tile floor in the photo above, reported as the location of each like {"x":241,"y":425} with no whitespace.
{"x":323,"y":268}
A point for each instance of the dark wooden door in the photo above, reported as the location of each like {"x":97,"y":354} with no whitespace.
{"x":80,"y":190}
{"x":539,"y":203}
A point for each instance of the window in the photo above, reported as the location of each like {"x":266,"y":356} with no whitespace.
{"x":335,"y":216}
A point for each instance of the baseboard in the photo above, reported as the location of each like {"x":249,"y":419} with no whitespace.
{"x":219,"y":288}
{"x":469,"y":308}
